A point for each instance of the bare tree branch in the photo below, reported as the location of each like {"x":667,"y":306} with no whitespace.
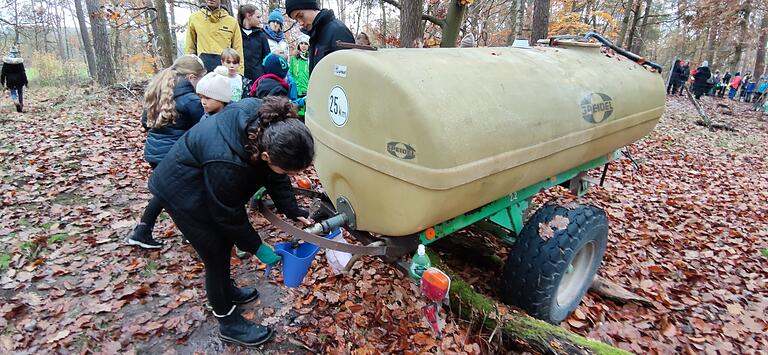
{"x":437,"y":21}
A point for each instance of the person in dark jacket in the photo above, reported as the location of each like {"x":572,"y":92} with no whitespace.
{"x":724,"y":84}
{"x":171,"y":107}
{"x":255,"y":44}
{"x":272,"y":83}
{"x":674,"y":78}
{"x":685,"y":75}
{"x":322,"y":26}
{"x":14,"y":77}
{"x":701,"y":80}
{"x":206,"y":181}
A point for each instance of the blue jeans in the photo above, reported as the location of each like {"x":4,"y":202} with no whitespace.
{"x":17,"y":94}
{"x":732,"y":93}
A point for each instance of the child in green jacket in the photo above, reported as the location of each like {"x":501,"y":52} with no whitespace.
{"x":299,"y":66}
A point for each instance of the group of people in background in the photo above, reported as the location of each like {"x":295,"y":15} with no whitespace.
{"x":703,"y":82}
{"x":223,"y":122}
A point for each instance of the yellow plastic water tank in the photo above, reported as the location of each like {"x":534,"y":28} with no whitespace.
{"x":414,"y":137}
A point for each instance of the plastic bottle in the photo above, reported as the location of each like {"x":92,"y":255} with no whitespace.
{"x":419,"y":263}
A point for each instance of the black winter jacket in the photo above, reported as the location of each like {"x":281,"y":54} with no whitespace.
{"x":700,"y":84}
{"x":13,"y":74}
{"x":208,"y":178}
{"x":188,"y":113}
{"x":255,"y":49}
{"x":326,"y":30}
{"x":271,"y":85}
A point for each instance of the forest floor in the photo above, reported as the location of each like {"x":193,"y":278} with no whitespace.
{"x":688,"y":231}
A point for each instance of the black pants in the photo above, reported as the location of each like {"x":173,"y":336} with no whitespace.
{"x":211,"y":61}
{"x":17,"y":94}
{"x":215,"y":250}
{"x":153,"y":209}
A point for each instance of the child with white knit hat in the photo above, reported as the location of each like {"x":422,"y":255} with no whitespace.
{"x":215,"y":91}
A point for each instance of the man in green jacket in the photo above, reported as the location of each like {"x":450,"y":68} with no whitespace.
{"x":211,"y":30}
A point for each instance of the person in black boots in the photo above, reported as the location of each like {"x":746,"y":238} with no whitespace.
{"x":171,"y":107}
{"x":14,"y":77}
{"x":208,"y":177}
{"x":702,"y":82}
{"x":322,"y":26}
{"x":685,"y":75}
{"x":674,"y":78}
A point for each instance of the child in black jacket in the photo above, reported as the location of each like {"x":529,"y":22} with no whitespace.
{"x":14,"y":77}
{"x":206,"y":181}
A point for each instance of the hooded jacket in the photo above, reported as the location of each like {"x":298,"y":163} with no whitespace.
{"x":700,"y":84}
{"x":13,"y":73}
{"x":188,"y":113}
{"x":209,"y":32}
{"x":326,"y":30}
{"x":207,"y":177}
{"x":269,"y":85}
{"x":255,"y":48}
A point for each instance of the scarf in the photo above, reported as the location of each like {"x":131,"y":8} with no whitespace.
{"x":304,"y":55}
{"x":277,"y":36}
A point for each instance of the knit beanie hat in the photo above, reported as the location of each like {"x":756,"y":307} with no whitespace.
{"x":216,"y":85}
{"x":468,"y":41}
{"x":275,"y":64}
{"x":303,"y":39}
{"x":275,"y":16}
{"x":13,"y":53}
{"x":291,"y":5}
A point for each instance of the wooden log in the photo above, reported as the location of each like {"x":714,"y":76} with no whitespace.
{"x":515,"y":325}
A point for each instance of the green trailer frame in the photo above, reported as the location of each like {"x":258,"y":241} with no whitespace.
{"x":508,"y":211}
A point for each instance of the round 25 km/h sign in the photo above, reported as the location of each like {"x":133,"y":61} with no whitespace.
{"x":338,"y":106}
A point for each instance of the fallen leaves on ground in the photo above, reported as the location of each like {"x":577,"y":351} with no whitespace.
{"x":74,"y":183}
{"x":687,"y":231}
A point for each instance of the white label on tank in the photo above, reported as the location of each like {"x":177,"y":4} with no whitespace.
{"x":340,"y":70}
{"x":338,"y":107}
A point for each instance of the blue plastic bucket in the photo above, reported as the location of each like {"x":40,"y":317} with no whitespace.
{"x":296,"y":262}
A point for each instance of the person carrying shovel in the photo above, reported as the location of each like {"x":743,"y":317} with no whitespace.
{"x":208,"y":177}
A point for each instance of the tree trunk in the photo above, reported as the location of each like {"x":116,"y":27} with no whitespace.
{"x":90,"y":57}
{"x":540,"y":25}
{"x":273,"y":4}
{"x":383,"y":22}
{"x":710,"y":53}
{"x":514,"y":8}
{"x":117,"y":48}
{"x":172,"y":24}
{"x":520,"y":18}
{"x":453,"y":21}
{"x":167,"y":49}
{"x":151,"y":39}
{"x":411,"y":28}
{"x":105,"y":68}
{"x":228,"y":5}
{"x":644,"y":28}
{"x":624,"y":24}
{"x":761,"y":43}
{"x":633,"y":29}
{"x":742,"y":36}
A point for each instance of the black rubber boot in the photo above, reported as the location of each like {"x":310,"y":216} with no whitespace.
{"x":243,"y":295}
{"x":233,"y":328}
{"x":142,"y":237}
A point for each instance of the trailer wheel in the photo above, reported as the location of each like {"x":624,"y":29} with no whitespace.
{"x":548,"y":276}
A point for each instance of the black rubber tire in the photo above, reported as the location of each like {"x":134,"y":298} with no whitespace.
{"x":535,"y":267}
